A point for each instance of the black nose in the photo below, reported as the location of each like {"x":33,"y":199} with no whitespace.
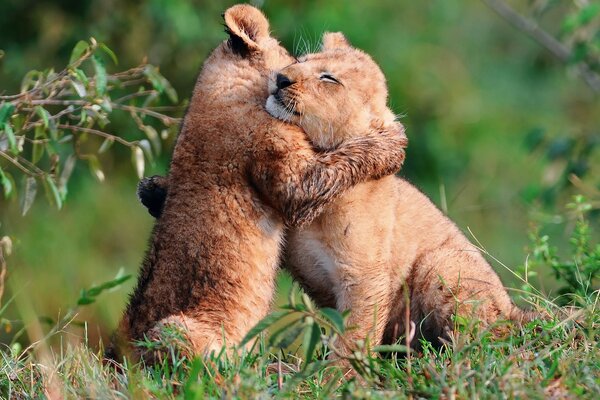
{"x":282,"y":81}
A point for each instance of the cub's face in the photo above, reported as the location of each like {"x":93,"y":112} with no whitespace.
{"x":332,"y":95}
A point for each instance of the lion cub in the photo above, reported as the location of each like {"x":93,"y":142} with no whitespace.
{"x":237,"y":177}
{"x":379,"y":235}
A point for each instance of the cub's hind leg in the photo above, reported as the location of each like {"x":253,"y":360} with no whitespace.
{"x":456,"y":281}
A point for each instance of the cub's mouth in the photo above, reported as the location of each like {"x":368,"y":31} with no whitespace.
{"x":279,"y":108}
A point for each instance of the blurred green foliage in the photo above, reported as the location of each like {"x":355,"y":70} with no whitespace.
{"x":497,"y":124}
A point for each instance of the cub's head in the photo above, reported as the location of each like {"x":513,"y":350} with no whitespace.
{"x":332,"y":95}
{"x":248,"y":55}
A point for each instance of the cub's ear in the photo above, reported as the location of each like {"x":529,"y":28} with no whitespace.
{"x":334,"y":40}
{"x":246,"y":26}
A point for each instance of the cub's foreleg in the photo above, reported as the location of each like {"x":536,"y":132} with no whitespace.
{"x":366,"y":292}
{"x":299,"y":182}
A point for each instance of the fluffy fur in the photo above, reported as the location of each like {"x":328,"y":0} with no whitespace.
{"x":236,"y":178}
{"x":381,"y":237}
{"x":382,"y":242}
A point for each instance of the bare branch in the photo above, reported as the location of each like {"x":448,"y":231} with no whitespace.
{"x":533,"y":30}
{"x":164,"y":118}
{"x":17,"y":164}
{"x":97,"y":133}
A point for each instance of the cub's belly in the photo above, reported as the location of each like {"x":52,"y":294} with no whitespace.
{"x":355,"y":232}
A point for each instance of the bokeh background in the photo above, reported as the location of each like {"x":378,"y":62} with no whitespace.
{"x":495,"y":123}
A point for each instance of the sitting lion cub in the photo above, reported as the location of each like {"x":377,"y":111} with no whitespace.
{"x":380,"y":236}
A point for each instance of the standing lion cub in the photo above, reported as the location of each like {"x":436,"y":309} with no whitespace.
{"x":237,"y":177}
{"x":381,"y":236}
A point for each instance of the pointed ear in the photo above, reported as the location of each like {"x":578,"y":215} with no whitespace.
{"x":246,"y":26}
{"x":334,"y":40}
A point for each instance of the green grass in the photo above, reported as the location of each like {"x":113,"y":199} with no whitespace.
{"x":555,"y":357}
{"x":558,"y":357}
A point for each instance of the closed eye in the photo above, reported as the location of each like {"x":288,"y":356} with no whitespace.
{"x":329,"y":78}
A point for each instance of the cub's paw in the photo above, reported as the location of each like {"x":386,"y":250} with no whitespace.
{"x":152,"y":192}
{"x":167,"y":341}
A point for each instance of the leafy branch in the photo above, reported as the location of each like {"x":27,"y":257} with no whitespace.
{"x":60,"y":118}
{"x":580,"y":54}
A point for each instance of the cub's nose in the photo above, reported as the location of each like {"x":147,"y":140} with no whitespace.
{"x":282,"y":81}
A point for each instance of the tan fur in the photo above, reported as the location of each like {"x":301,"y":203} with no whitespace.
{"x":382,"y":241}
{"x":237,"y":176}
{"x":380,"y":236}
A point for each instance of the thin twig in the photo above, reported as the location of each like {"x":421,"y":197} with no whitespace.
{"x":134,"y":95}
{"x":97,"y":133}
{"x":164,"y":118}
{"x":58,"y":102}
{"x":17,"y":164}
{"x":30,"y":165}
{"x":558,"y":49}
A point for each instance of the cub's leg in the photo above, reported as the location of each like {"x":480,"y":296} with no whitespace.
{"x":298,"y":182}
{"x":366,"y":292}
{"x":456,"y":281}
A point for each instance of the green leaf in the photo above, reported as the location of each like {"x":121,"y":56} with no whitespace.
{"x":12,"y":140}
{"x":262,"y":325}
{"x":137,"y":156}
{"x":53,"y":192}
{"x":65,"y":174}
{"x":88,"y":296}
{"x":106,"y":105}
{"x":579,"y":52}
{"x":28,"y":194}
{"x":29,"y":80}
{"x":108,"y":142}
{"x":146,"y":148}
{"x":101,"y":78}
{"x":160,"y":83}
{"x":312,"y":338}
{"x":585,"y":15}
{"x":153,"y":137}
{"x":307,"y":302}
{"x":276,"y":336}
{"x":588,"y":13}
{"x":80,"y":48}
{"x":79,"y":88}
{"x":109,"y":52}
{"x":287,"y":336}
{"x":390,"y":348}
{"x":335,"y":317}
{"x":6,"y":110}
{"x":7,"y":183}
{"x":43,"y":114}
{"x":85,"y":301}
{"x":155,"y":78}
{"x":81,"y":76}
{"x":38,"y":148}
{"x":96,"y":168}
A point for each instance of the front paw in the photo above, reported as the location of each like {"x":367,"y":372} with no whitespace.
{"x":152,"y":192}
